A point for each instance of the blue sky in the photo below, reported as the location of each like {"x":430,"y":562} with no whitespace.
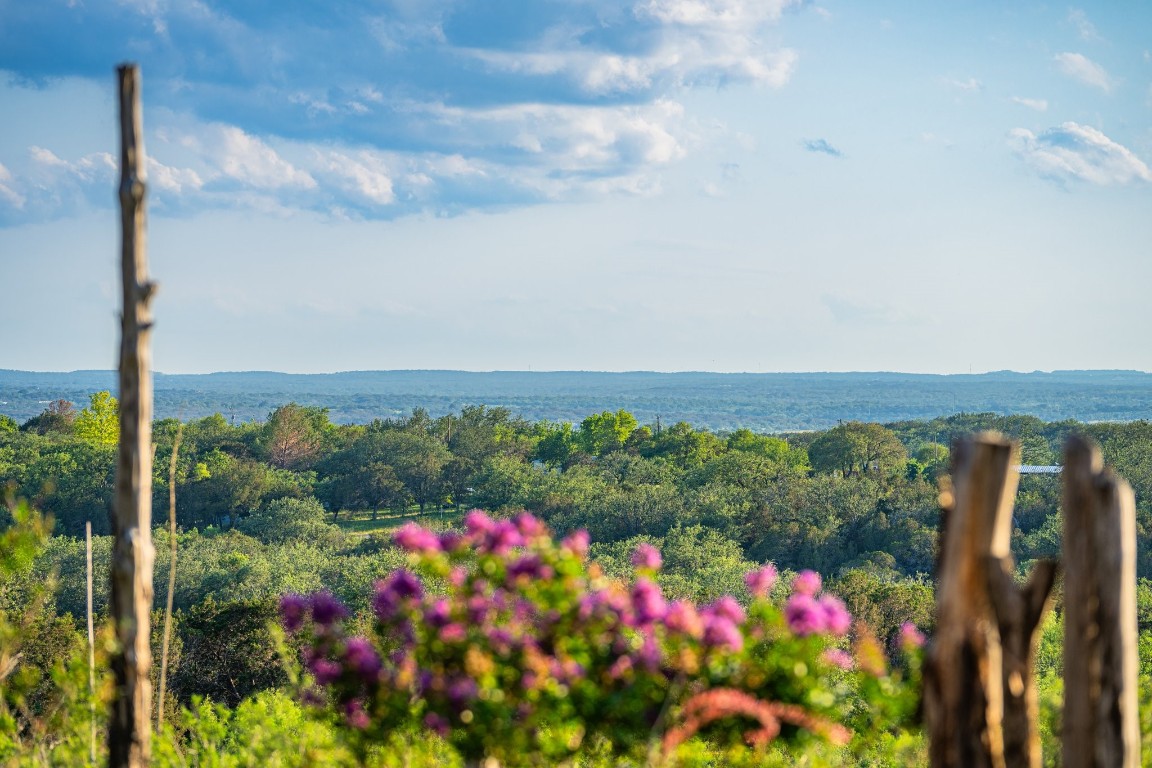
{"x":586,"y":184}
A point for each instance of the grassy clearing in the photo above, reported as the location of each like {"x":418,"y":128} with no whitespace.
{"x":362,"y":524}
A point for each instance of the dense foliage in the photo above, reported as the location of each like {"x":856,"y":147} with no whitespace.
{"x":298,"y":505}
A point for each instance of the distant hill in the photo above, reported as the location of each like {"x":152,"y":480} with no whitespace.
{"x":759,"y":401}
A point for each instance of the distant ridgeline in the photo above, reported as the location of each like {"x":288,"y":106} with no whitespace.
{"x":766,"y":402}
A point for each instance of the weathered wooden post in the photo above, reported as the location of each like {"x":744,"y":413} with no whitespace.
{"x":129,"y":742}
{"x":1101,"y":727}
{"x":979,"y":697}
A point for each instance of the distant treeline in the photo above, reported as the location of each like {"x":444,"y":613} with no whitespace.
{"x":770,"y":402}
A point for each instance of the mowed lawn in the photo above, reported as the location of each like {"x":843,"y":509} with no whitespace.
{"x":362,"y":524}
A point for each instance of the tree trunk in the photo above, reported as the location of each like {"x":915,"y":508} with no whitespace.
{"x":1101,"y":726}
{"x":129,"y":730}
{"x":979,"y":696}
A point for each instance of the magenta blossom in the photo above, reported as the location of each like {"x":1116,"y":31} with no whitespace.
{"x":805,"y":616}
{"x":806,"y":583}
{"x":529,"y":526}
{"x":910,"y":636}
{"x":362,"y":659}
{"x":761,"y":581}
{"x":355,"y":715}
{"x":577,"y":543}
{"x":837,"y":620}
{"x":721,"y":632}
{"x":327,"y":609}
{"x":839,"y":658}
{"x":399,"y":588}
{"x":292,"y":610}
{"x":728,"y":608}
{"x":683,"y":618}
{"x":647,"y":602}
{"x":647,"y":556}
{"x":415,"y":538}
{"x":477,"y":523}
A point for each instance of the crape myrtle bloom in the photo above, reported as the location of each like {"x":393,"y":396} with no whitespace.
{"x":355,"y":715}
{"x":761,"y":581}
{"x":839,"y":658}
{"x":361,"y":658}
{"x":647,"y":556}
{"x":577,"y":543}
{"x":837,"y":620}
{"x":529,"y":526}
{"x":394,"y":591}
{"x":683,"y":618}
{"x":502,"y":538}
{"x":292,"y":611}
{"x":727,"y":607}
{"x":806,"y":583}
{"x":327,"y":609}
{"x":804,"y":615}
{"x":910,"y":636}
{"x":721,"y":632}
{"x":477,"y":523}
{"x":415,"y":538}
{"x":647,"y":602}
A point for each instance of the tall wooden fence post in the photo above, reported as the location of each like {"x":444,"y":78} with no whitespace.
{"x":1101,"y":726}
{"x":979,"y":697}
{"x":129,"y":732}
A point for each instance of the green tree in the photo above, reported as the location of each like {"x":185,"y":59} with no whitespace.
{"x":99,"y":423}
{"x":857,"y":448}
{"x":604,"y":432}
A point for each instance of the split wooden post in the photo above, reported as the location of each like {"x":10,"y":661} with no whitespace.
{"x":979,"y":696}
{"x":1101,"y":726}
{"x":129,"y":732}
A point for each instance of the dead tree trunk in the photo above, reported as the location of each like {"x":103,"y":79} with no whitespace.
{"x":979,"y":697}
{"x":132,"y":557}
{"x":1101,"y":727}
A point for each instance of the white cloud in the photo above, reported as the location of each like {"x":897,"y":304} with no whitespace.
{"x":1040,"y":105}
{"x":1078,"y":152}
{"x":701,"y":13}
{"x":1080,"y":67}
{"x":170,"y":179}
{"x":1086,"y":28}
{"x":365,"y":174}
{"x":249,"y":160}
{"x":971,"y":84}
{"x":14,"y":198}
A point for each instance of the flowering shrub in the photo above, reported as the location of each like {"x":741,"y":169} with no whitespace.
{"x":532,"y":654}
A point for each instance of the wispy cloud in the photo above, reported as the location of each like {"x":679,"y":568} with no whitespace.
{"x":971,"y":84}
{"x":1085,"y":28}
{"x":822,"y":146}
{"x":1040,"y":105}
{"x":345,"y":103}
{"x":1080,"y":67}
{"x":1074,"y":152}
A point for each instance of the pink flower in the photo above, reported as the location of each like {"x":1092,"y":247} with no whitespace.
{"x":577,"y":543}
{"x":415,"y":538}
{"x":806,"y":583}
{"x":292,"y":610}
{"x":529,"y":526}
{"x":647,"y":556}
{"x":839,"y":658}
{"x":837,"y":620}
{"x":910,"y":636}
{"x":804,"y":615}
{"x":761,"y":581}
{"x":477,"y":523}
{"x":361,"y":658}
{"x":355,"y":715}
{"x":325,"y":671}
{"x":728,"y":608}
{"x":683,"y":618}
{"x":647,"y":601}
{"x":326,"y":609}
{"x":453,"y":633}
{"x":722,"y":632}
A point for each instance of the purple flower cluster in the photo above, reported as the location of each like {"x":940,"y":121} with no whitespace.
{"x":525,"y":629}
